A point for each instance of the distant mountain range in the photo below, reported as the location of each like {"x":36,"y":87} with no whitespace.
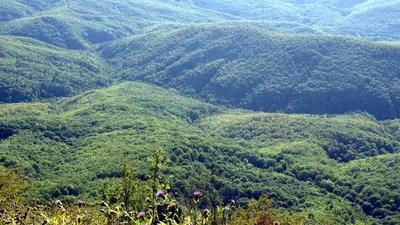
{"x":76,"y":24}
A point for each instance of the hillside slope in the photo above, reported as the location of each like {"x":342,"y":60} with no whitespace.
{"x":75,"y":145}
{"x":247,"y":67}
{"x":77,"y":24}
{"x":303,"y":146}
{"x":239,"y":66}
{"x":31,"y":70}
{"x":371,"y":19}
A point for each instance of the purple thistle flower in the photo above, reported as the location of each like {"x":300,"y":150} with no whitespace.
{"x":196,"y":194}
{"x":81,"y":203}
{"x":1,"y":215}
{"x":233,"y":202}
{"x":160,"y":194}
{"x":58,"y":202}
{"x":141,"y":215}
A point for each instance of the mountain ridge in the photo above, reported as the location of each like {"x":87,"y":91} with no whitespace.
{"x":112,"y":20}
{"x":251,"y":68}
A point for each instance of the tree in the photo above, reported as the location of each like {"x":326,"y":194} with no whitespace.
{"x":128,"y":189}
{"x":156,"y":164}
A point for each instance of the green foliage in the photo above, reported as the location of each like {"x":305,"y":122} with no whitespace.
{"x":258,"y":212}
{"x":170,"y":211}
{"x":247,"y":67}
{"x":316,"y":169}
{"x":128,"y":191}
{"x":30,"y":70}
{"x":156,"y":166}
{"x":74,"y":146}
{"x":13,"y":186}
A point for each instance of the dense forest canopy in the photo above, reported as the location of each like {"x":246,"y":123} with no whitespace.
{"x":295,"y":99}
{"x":235,"y":153}
{"x":248,"y":67}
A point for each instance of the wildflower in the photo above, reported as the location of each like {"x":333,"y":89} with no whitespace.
{"x":58,"y":202}
{"x":3,"y":210}
{"x":141,"y":215}
{"x":205,"y":213}
{"x":160,"y":194}
{"x":196,"y":195}
{"x":81,"y":203}
{"x":1,"y":215}
{"x":176,"y":194}
{"x":233,"y":202}
{"x":148,"y":199}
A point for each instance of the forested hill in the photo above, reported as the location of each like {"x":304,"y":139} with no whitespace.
{"x":296,"y":99}
{"x":247,"y":67}
{"x":32,"y":70}
{"x":240,"y":66}
{"x":342,"y":169}
{"x":78,"y":24}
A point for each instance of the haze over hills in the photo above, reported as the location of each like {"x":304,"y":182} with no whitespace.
{"x":77,"y":24}
{"x":246,"y":97}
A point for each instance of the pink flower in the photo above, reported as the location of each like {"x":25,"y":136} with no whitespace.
{"x":160,"y":194}
{"x":81,"y":203}
{"x":141,"y":215}
{"x":196,"y":195}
